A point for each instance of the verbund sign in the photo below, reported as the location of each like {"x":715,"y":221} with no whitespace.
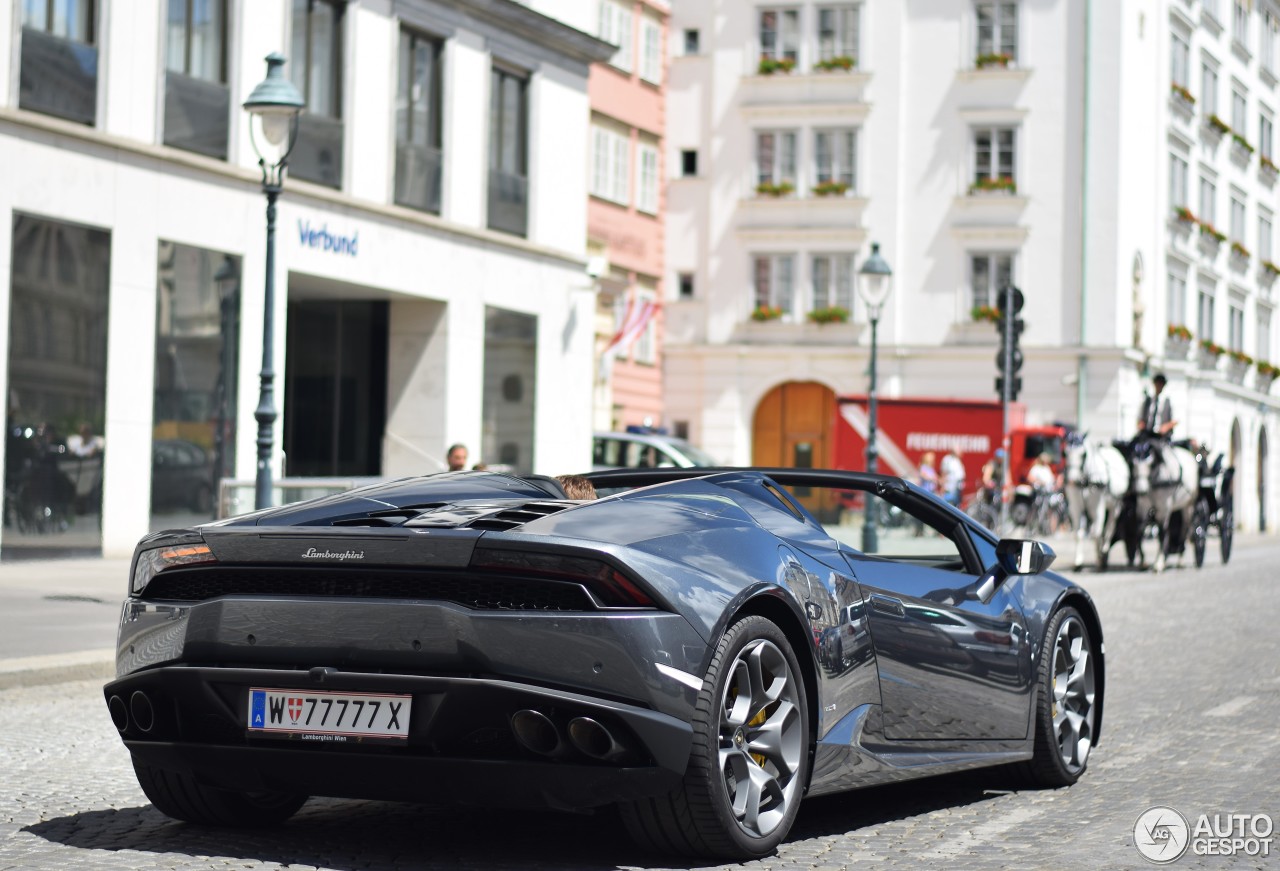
{"x":319,"y":238}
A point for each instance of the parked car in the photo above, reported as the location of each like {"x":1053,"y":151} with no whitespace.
{"x":660,"y":649}
{"x":181,"y":476}
{"x":627,"y":450}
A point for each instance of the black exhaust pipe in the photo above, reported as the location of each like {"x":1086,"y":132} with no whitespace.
{"x":119,"y":713}
{"x":144,"y":715}
{"x":536,"y":731}
{"x":593,"y":739}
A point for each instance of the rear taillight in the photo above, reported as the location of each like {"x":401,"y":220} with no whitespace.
{"x":610,"y":586}
{"x":157,"y":559}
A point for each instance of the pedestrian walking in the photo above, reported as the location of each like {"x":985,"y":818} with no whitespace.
{"x":952,"y":477}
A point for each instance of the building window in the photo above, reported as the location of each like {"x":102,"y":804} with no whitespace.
{"x":1266,"y":132}
{"x":1268,"y":39}
{"x":419,"y":96}
{"x":1208,"y":200}
{"x":1179,"y":60}
{"x":1208,"y":90}
{"x":610,"y":164}
{"x":1204,"y":309}
{"x":988,"y":273}
{"x":1235,"y":325}
{"x":775,"y":159}
{"x":997,"y":31}
{"x":508,"y":151}
{"x":832,"y":276}
{"x":993,"y":156}
{"x":692,"y":41}
{"x":59,"y":73}
{"x":774,"y":276}
{"x":1177,"y":181}
{"x":197,"y":101}
{"x":834,"y":159}
{"x":685,"y":283}
{"x":1237,"y":220}
{"x":615,"y":27}
{"x":780,"y":34}
{"x":1240,"y":23}
{"x":651,"y":48}
{"x":315,"y":65}
{"x":688,"y":162}
{"x":1262,"y":346}
{"x":647,"y":159}
{"x":1239,"y":112}
{"x":1264,"y":237}
{"x":838,"y":33}
{"x":1177,"y":300}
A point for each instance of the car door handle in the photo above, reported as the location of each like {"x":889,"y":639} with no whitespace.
{"x":888,"y":605}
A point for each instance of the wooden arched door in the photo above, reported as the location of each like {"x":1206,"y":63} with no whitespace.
{"x":794,"y":427}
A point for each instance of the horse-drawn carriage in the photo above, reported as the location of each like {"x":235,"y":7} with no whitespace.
{"x":1148,"y":492}
{"x":1214,"y":509}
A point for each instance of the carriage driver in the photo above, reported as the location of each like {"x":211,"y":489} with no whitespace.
{"x":1156,"y":419}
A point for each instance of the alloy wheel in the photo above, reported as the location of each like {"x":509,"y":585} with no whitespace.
{"x":1073,"y":693}
{"x":762,"y":741}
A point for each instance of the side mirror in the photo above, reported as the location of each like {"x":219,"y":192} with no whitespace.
{"x":1023,"y":557}
{"x":1014,"y":556}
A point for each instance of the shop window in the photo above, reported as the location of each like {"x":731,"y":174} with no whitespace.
{"x":510,"y":350}
{"x":58,"y":302}
{"x":193,"y":409}
{"x":197,"y":102}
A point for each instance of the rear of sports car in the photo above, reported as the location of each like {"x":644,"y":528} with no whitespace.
{"x":447,"y":657}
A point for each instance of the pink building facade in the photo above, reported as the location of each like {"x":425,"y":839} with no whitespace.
{"x":625,"y":213}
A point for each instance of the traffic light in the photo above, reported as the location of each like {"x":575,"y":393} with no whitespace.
{"x":1009,"y":359}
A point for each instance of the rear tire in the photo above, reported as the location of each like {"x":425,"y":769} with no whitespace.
{"x":181,"y":797}
{"x":750,"y":757}
{"x":1066,"y":712}
{"x":1227,"y":531}
{"x":1200,"y":530}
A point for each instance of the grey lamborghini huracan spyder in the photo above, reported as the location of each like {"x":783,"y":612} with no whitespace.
{"x":700,"y":647}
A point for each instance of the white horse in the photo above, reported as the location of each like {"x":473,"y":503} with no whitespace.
{"x":1097,"y":478}
{"x":1166,"y":480}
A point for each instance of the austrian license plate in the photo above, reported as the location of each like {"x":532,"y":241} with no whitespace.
{"x":319,"y":715}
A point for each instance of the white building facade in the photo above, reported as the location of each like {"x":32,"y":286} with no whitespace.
{"x":430,"y":251}
{"x":1049,"y":145}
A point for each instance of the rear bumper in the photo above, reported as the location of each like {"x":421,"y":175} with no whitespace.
{"x":461,"y":746}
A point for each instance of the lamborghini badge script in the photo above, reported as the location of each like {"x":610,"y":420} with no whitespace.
{"x":312,"y":553}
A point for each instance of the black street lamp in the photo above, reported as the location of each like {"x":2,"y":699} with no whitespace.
{"x":228,"y":280}
{"x":874,"y":284}
{"x":273,"y":107}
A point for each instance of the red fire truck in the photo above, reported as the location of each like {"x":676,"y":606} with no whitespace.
{"x":908,"y":427}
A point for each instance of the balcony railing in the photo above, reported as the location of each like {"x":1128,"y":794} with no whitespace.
{"x":508,"y":202}
{"x":418,"y":177}
{"x":196,"y":115}
{"x":58,"y":77}
{"x":317,"y":156}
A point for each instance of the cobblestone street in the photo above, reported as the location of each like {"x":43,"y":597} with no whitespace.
{"x":1193,"y":699}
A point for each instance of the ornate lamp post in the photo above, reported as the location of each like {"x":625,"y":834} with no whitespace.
{"x":874,"y":284}
{"x":273,"y":107}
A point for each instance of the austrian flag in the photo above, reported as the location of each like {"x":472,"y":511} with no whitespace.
{"x":635,"y":319}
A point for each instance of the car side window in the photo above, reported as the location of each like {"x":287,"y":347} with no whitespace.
{"x":900,"y":535}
